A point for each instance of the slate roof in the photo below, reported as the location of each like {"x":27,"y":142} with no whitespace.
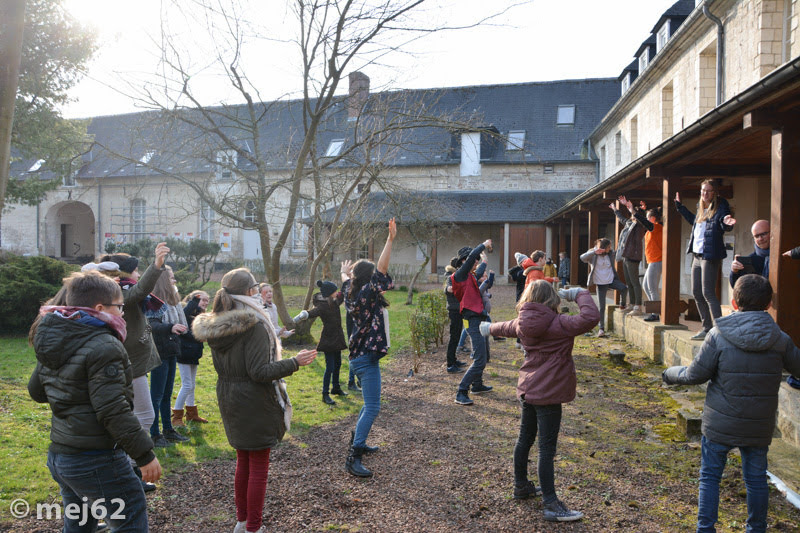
{"x":185,"y":149}
{"x":461,"y":207}
{"x":677,"y":12}
{"x":633,"y":68}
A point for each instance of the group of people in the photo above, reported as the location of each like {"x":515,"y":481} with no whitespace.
{"x":94,"y":343}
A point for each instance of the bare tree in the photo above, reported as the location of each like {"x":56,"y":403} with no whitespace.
{"x":268,"y":168}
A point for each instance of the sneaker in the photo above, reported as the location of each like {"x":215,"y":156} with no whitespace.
{"x":793,"y":382}
{"x":455,"y":369}
{"x":529,"y":490}
{"x":461,"y":363}
{"x":700,"y":335}
{"x":556,"y":511}
{"x":477,"y":389}
{"x":652,"y":318}
{"x":464,"y":349}
{"x":601,"y":333}
{"x":462,"y":398}
{"x":241,"y":527}
{"x":627,"y":309}
{"x":173,"y":436}
{"x":353,"y":387}
{"x":518,"y":345}
{"x":147,"y":486}
{"x":636,"y":311}
{"x":160,"y":442}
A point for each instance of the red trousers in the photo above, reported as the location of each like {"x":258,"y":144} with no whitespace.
{"x":250,"y":486}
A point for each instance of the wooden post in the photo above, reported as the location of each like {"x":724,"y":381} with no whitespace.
{"x":562,"y":237}
{"x":435,"y":251}
{"x":594,"y":230}
{"x":502,"y":250}
{"x":671,"y":256}
{"x":574,"y":254}
{"x":784,"y":221}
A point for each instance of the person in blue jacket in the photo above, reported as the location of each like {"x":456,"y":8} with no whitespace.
{"x":712,"y":220}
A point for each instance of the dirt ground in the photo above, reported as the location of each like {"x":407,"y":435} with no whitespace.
{"x":445,"y":467}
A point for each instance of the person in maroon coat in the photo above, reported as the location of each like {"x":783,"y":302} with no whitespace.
{"x":546,"y":380}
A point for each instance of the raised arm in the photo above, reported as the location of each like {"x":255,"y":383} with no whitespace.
{"x":466,"y":267}
{"x":386,"y":254}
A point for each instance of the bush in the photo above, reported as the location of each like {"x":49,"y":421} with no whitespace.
{"x":427,"y":323}
{"x":25,"y":283}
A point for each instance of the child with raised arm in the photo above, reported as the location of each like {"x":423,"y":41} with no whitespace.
{"x":742,"y":358}
{"x":546,"y":381}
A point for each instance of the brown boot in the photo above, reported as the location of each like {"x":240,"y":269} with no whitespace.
{"x":192,"y":416}
{"x":177,"y":418}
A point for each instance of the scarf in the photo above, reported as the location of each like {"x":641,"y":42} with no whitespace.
{"x":255,"y":305}
{"x":150,"y":303}
{"x":174,"y":314}
{"x":763,"y":252}
{"x":88,"y":315}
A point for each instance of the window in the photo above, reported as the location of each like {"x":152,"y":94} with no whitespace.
{"x":36,"y":166}
{"x":300,"y":230}
{"x":250,"y":211}
{"x":148,"y":155}
{"x":516,"y":140}
{"x":470,"y":154}
{"x":207,"y":219}
{"x":363,"y":252}
{"x":644,"y":60}
{"x":662,"y":36}
{"x":138,"y":218}
{"x":334,"y":148}
{"x":226,"y":162}
{"x":422,"y":251}
{"x":618,"y":148}
{"x":69,"y":179}
{"x":548,"y":169}
{"x":566,"y":115}
{"x":626,"y":83}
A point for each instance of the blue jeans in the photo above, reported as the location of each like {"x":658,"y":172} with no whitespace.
{"x":100,"y":474}
{"x":367,"y":370}
{"x":546,"y":419}
{"x":474,"y":374}
{"x":754,"y":472}
{"x":162,"y":378}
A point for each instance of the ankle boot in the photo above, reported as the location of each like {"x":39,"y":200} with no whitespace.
{"x":353,"y":463}
{"x":367,"y":449}
{"x":327,"y":399}
{"x":192,"y":416}
{"x":177,"y":418}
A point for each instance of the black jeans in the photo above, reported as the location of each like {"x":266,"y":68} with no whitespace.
{"x":456,"y":325}
{"x":333,"y":362}
{"x":547,"y":420}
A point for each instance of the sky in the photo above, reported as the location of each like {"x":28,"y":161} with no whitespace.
{"x":537,"y":40}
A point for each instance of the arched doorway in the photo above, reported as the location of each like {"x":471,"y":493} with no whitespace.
{"x":69,"y":231}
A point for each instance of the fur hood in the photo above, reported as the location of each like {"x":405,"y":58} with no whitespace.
{"x":209,"y":326}
{"x":449,"y":269}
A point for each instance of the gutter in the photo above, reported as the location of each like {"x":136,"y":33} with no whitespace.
{"x":720,"y":53}
{"x":777,"y":78}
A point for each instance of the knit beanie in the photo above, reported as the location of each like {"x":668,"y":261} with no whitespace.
{"x":520,"y":258}
{"x":464,"y":252}
{"x":127,"y":263}
{"x":327,"y":288}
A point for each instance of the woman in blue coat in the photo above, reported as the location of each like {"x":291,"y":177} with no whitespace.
{"x":713,"y":218}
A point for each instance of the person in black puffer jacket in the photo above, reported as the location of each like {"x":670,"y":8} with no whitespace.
{"x":188,"y":361}
{"x":454,"y":366}
{"x":83,"y":372}
{"x":742,"y":358}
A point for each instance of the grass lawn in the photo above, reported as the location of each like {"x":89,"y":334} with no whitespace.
{"x":25,"y":425}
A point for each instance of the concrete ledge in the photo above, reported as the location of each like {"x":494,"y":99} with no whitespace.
{"x":789,"y":414}
{"x":689,"y":423}
{"x":678,"y":348}
{"x":610,"y":310}
{"x":648,"y":336}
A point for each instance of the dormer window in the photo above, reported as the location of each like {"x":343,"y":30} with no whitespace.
{"x":626,"y":83}
{"x":36,"y":166}
{"x":334,"y":148}
{"x":662,"y":36}
{"x":226,"y":162}
{"x":566,"y":115}
{"x":644,"y":59}
{"x":516,"y":140}
{"x":148,"y":155}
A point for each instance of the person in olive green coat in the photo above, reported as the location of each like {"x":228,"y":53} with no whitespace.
{"x":139,"y":343}
{"x":253,"y":403}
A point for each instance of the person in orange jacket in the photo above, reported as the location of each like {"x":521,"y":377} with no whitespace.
{"x":534,"y":267}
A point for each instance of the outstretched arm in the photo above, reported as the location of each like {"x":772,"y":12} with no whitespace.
{"x":386,"y":254}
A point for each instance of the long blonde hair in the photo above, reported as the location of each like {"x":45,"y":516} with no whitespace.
{"x":540,"y":292}
{"x":707,"y":213}
{"x":164,"y":289}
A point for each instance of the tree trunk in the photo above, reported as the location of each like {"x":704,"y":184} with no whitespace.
{"x":12,"y":23}
{"x":410,"y":298}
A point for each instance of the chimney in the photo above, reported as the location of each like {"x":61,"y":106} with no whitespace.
{"x":357,"y":95}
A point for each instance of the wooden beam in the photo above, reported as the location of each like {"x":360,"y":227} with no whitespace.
{"x":562,"y":237}
{"x":708,"y":171}
{"x":784,"y":221}
{"x":574,"y":253}
{"x":672,"y":257}
{"x":761,"y":119}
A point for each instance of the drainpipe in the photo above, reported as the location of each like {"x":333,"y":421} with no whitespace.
{"x":99,"y":220}
{"x":720,"y":53}
{"x":38,"y":247}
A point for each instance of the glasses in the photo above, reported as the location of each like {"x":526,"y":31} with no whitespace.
{"x":761,"y":235}
{"x":118,"y":306}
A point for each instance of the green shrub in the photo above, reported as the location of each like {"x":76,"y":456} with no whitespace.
{"x":25,"y":283}
{"x":427,"y":323}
